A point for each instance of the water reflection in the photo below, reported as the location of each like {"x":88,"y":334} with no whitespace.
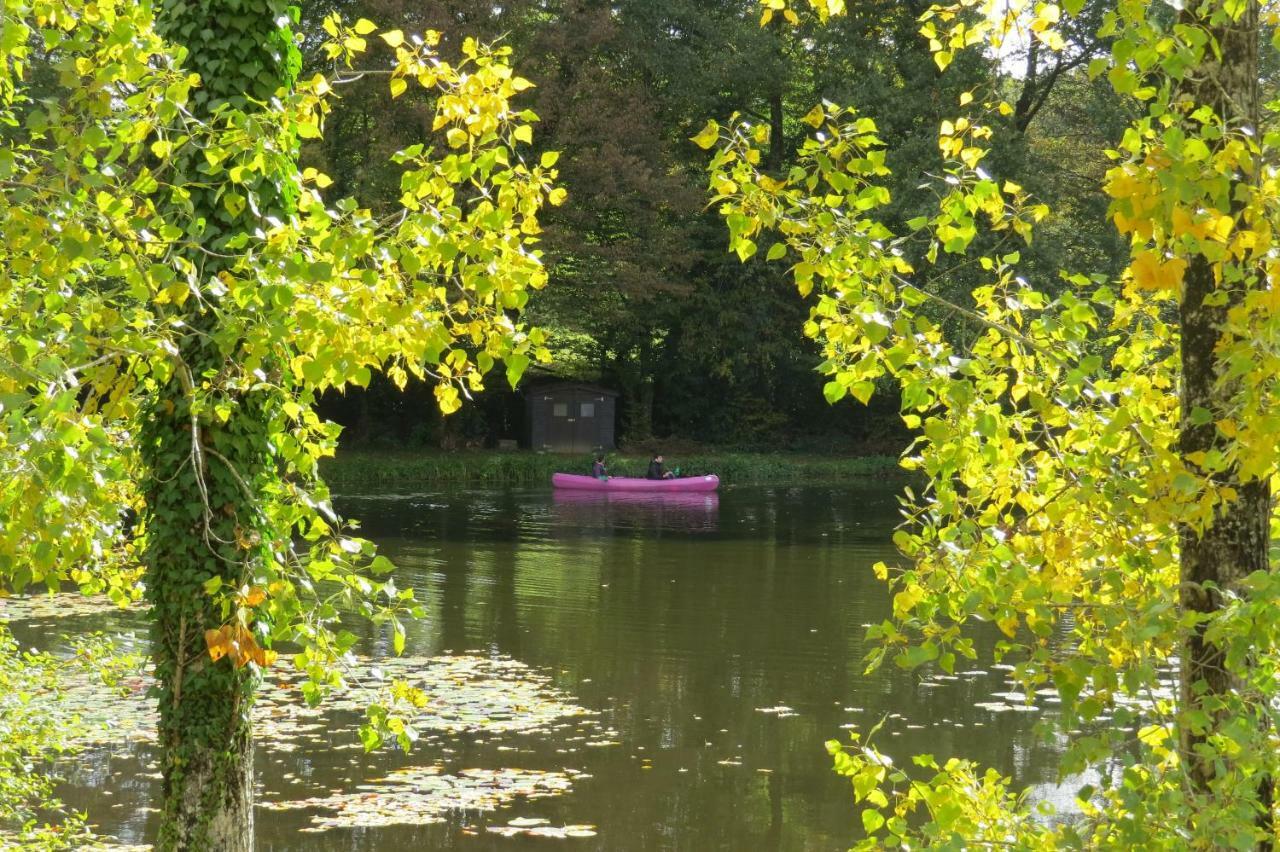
{"x":720,"y":643}
{"x":637,"y":510}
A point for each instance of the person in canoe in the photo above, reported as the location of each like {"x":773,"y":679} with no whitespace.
{"x":657,"y":470}
{"x":598,"y":470}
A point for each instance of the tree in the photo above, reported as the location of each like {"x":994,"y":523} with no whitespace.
{"x":1099,"y":458}
{"x":175,"y":293}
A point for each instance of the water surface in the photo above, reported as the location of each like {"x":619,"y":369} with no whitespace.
{"x":712,"y":643}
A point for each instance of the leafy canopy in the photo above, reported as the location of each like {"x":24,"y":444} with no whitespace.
{"x":1057,"y":488}
{"x":100,"y":270}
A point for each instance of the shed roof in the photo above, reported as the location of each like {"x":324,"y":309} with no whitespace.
{"x":551,"y":387}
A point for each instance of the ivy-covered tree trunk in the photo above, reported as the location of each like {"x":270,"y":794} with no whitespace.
{"x":207,"y":449}
{"x":1235,"y":544}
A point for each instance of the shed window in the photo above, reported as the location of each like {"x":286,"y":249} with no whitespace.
{"x":560,"y":409}
{"x":587,"y":409}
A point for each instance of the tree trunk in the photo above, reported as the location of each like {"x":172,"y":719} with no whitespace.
{"x":1235,"y":543}
{"x":777,"y":133}
{"x":778,"y":153}
{"x":201,"y":525}
{"x":210,"y":477}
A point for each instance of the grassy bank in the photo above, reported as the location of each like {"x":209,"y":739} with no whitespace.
{"x":362,"y":468}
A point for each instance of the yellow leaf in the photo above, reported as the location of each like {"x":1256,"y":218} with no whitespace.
{"x":394,"y":38}
{"x":1150,"y":272}
{"x":906,"y":600}
{"x":1008,"y":625}
{"x":364,"y":26}
{"x":815,"y":117}
{"x":1222,"y":227}
{"x":456,"y":137}
{"x":253,"y":597}
{"x":707,"y":137}
{"x":524,"y":133}
{"x":398,"y":86}
{"x":770,"y":185}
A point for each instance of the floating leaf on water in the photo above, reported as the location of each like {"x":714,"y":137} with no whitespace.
{"x":424,"y":795}
{"x":993,"y":706}
{"x":39,"y":607}
{"x":549,"y":831}
{"x":467,"y":694}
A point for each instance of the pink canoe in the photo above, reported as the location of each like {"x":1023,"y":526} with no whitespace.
{"x":624,"y":483}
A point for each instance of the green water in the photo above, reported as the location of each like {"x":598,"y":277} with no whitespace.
{"x":676,"y":623}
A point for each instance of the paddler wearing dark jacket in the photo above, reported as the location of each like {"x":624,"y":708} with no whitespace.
{"x":656,"y":469}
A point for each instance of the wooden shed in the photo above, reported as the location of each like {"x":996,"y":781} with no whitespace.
{"x":570,"y":417}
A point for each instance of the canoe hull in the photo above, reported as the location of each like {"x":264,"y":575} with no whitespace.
{"x":685,"y":485}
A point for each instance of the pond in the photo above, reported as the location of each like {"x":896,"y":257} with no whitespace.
{"x":622,"y":674}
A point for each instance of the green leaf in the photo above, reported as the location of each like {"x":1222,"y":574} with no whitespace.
{"x":516,"y":365}
{"x":862,"y":391}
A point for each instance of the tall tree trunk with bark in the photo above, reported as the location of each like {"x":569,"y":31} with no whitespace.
{"x":208,"y":449}
{"x":1235,"y":544}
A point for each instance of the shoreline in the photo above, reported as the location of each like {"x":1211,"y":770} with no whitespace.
{"x":521,"y":467}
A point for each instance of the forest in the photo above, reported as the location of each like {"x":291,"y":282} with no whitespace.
{"x":644,"y":296}
{"x":269,"y":273}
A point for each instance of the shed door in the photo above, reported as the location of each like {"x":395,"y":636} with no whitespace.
{"x":587,"y":410}
{"x":561,"y":428}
